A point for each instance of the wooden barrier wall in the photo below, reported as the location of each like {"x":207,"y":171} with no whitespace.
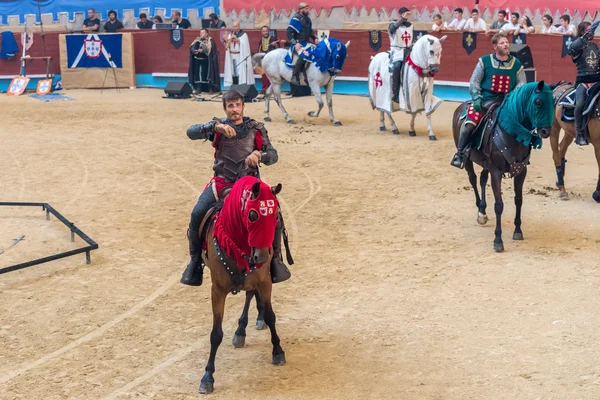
{"x":154,"y":53}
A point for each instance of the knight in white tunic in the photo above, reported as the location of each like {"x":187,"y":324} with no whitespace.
{"x":401,"y":39}
{"x":238,"y":65}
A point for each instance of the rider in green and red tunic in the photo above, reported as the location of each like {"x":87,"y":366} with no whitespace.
{"x":495,"y":75}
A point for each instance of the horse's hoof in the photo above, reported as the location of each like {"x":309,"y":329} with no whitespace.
{"x":267,"y":119}
{"x":382,"y":129}
{"x":279,"y":359}
{"x":596,"y":196}
{"x":291,"y":121}
{"x":260,"y":325}
{"x":206,"y":387}
{"x":238,"y":341}
{"x":412,"y":133}
{"x":482,"y":219}
{"x":432,"y":137}
{"x":498,"y":247}
{"x":518,"y":236}
{"x":396,"y":132}
{"x":312,"y":114}
{"x":337,"y":123}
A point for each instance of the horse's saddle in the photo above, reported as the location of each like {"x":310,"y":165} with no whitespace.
{"x":566,"y":99}
{"x":477,"y":138}
{"x":209,"y":217}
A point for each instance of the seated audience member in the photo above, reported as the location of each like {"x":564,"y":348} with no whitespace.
{"x":547,"y":24}
{"x":215,"y":22}
{"x":564,"y":28}
{"x":513,"y":26}
{"x":181,"y":23}
{"x":526,"y":25}
{"x":113,"y":24}
{"x":157,"y":20}
{"x":144,"y":22}
{"x":458,"y":23}
{"x":499,"y":22}
{"x":91,"y":23}
{"x":475,"y":24}
{"x":438,"y":24}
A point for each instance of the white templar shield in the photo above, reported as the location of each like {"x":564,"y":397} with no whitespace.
{"x":93,"y":48}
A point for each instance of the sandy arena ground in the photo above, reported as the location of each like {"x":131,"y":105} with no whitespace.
{"x":396,"y":292}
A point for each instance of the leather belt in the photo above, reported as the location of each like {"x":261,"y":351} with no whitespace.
{"x":234,"y":52}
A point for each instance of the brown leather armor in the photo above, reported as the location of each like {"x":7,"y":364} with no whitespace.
{"x":231,"y":156}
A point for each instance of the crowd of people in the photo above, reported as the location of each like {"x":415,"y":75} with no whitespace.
{"x":516,"y":24}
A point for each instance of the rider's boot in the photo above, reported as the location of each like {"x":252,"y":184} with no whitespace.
{"x":194,"y":272}
{"x":279,"y":271}
{"x":466,"y":131}
{"x":396,"y":72}
{"x":298,"y":68}
{"x":581,"y":138}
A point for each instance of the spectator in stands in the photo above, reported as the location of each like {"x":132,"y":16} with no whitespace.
{"x":564,"y":28}
{"x":265,"y":45}
{"x":181,"y":23}
{"x":512,"y":27}
{"x":547,"y":24}
{"x":215,"y":22}
{"x":526,"y":25}
{"x":498,"y":23}
{"x":438,"y":24}
{"x":475,"y":24}
{"x":91,"y":23}
{"x":157,"y":20}
{"x":144,"y":22}
{"x":113,"y":24}
{"x":458,"y":23}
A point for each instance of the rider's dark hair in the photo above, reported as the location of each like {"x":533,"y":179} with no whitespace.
{"x":582,"y":27}
{"x":230,"y":96}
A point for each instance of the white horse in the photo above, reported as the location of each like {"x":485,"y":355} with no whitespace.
{"x":320,"y":73}
{"x":416,"y":92}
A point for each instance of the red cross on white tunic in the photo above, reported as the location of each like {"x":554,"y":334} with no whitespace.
{"x":406,"y":37}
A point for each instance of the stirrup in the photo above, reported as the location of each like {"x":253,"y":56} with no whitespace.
{"x":458,"y":161}
{"x":581,"y":140}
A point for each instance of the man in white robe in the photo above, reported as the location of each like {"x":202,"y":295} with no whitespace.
{"x":238,"y":63}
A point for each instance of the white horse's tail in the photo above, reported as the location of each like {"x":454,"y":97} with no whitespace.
{"x":257,"y":62}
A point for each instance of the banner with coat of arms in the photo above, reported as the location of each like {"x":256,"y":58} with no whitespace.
{"x":567,"y":40}
{"x":418,"y":35}
{"x":95,"y":51}
{"x":469,"y":42}
{"x":521,"y":38}
{"x":375,"y":40}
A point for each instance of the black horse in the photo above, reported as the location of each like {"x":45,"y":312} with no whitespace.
{"x":525,"y":116}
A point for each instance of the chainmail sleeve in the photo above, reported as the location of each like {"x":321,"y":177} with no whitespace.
{"x":521,"y":78}
{"x":476,"y":79}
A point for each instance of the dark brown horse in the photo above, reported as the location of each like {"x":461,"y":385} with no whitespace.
{"x":526,"y":112}
{"x":560,"y":147}
{"x":238,"y":243}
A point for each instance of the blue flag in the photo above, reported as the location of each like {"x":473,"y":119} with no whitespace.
{"x":95,"y":51}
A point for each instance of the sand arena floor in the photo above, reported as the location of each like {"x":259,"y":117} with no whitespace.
{"x":396,"y":292}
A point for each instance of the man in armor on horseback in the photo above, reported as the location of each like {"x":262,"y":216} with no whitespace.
{"x":401,"y":40}
{"x":586,"y":56}
{"x":241,"y":144}
{"x":299,"y":31}
{"x":494,"y":76}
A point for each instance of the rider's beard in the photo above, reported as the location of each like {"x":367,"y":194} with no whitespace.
{"x":503,"y":52}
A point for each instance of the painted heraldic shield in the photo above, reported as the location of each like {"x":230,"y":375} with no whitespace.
{"x":375,"y":40}
{"x":95,"y":51}
{"x":177,"y":38}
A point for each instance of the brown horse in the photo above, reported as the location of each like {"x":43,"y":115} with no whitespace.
{"x":560,"y":147}
{"x":238,"y":244}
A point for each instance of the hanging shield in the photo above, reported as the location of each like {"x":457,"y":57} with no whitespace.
{"x":177,"y":38}
{"x":323,"y":34}
{"x":469,"y":41}
{"x":521,"y":38}
{"x":567,"y":40}
{"x":375,"y":40}
{"x":419,"y":35}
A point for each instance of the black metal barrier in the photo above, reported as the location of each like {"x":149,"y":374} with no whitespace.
{"x":74,"y":231}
